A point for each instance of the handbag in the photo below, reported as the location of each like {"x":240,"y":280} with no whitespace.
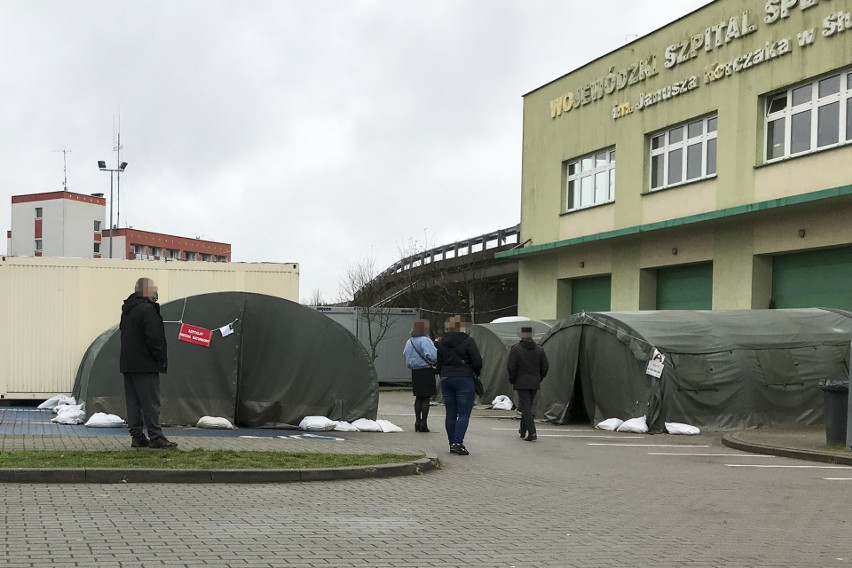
{"x":477,"y":385}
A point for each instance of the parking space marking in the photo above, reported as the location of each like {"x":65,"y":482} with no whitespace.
{"x":730,"y":455}
{"x":837,"y":478}
{"x":648,"y":445}
{"x":789,"y":466}
{"x":581,"y":436}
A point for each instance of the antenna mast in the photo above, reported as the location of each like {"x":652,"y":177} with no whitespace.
{"x":117,"y":149}
{"x":65,"y":152}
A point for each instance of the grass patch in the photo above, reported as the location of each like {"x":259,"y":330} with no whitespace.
{"x":191,"y":459}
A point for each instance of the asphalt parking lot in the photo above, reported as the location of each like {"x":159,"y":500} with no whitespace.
{"x":576,"y":498}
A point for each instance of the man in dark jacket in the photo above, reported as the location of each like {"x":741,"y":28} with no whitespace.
{"x":143,"y":358}
{"x":527,"y":367}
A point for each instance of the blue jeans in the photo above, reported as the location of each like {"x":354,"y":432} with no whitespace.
{"x":458,"y":393}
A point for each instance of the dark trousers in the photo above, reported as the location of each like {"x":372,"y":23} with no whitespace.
{"x":458,"y":393}
{"x":526,"y":402}
{"x":142,"y":396}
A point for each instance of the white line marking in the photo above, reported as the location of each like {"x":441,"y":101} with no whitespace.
{"x":714,"y":455}
{"x":647,"y":445}
{"x":555,"y":430}
{"x":790,"y":466}
{"x":584,"y":436}
{"x":837,"y":478}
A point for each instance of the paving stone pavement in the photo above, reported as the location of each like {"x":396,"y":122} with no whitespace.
{"x":576,"y":498}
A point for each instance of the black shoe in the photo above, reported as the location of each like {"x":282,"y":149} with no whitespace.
{"x":163,"y":444}
{"x":455,"y":449}
{"x":522,"y":433}
{"x":531,"y":438}
{"x":423,"y":427}
{"x":463,"y":451}
{"x":417,"y":426}
{"x":140,"y":442}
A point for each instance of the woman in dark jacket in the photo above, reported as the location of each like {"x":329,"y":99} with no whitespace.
{"x":459,"y":362}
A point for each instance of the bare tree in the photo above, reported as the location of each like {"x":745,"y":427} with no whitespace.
{"x":315,"y":299}
{"x":362,"y":290}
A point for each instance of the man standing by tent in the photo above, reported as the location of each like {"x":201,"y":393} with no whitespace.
{"x":527,"y":367}
{"x":143,"y":358}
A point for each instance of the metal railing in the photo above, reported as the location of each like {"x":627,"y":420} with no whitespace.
{"x":457,"y":249}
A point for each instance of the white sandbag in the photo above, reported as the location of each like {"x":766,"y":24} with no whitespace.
{"x":685,"y":429}
{"x":343,"y":426}
{"x":610,"y":424}
{"x":55,"y":401}
{"x":634,"y":425}
{"x":367,"y":425}
{"x":101,"y":420}
{"x":502,"y":402}
{"x":317,"y":424}
{"x":215,"y":423}
{"x":387,"y":426}
{"x":70,"y":414}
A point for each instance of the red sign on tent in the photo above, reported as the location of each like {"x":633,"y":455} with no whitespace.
{"x":194,"y":334}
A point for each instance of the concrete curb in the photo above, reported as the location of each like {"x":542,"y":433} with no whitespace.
{"x":732,"y":440}
{"x":96,"y":475}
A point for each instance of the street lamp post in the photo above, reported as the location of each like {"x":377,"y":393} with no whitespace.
{"x":118,"y":170}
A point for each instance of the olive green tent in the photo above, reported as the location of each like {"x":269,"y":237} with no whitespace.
{"x":721,"y":369}
{"x":282,"y":362}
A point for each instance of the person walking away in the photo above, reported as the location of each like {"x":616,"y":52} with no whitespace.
{"x":143,"y":357}
{"x":420,"y":356}
{"x":527,"y":366}
{"x":458,"y":363}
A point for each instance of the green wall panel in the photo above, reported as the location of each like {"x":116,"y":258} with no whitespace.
{"x":688,"y":287}
{"x":591,"y":294}
{"x":813,"y":279}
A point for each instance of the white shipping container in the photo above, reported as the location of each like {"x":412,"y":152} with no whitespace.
{"x":51,"y":309}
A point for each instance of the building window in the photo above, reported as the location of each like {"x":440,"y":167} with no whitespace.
{"x":590,"y":180}
{"x":97,"y":226}
{"x":137,"y":249}
{"x":38,"y":244}
{"x":221,"y":259}
{"x":809,"y":117}
{"x":684,"y":153}
{"x":205,"y":257}
{"x":38,"y":212}
{"x":97,"y":248}
{"x":173,"y":254}
{"x":190,"y":256}
{"x":155,"y":251}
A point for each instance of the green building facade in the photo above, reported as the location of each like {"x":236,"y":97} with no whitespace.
{"x":707,"y":165}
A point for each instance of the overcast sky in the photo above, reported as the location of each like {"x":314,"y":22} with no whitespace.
{"x":311,"y":131}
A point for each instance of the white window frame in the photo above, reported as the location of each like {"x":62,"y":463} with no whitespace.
{"x":96,"y":248}
{"x":191,"y":256}
{"x":588,"y":167}
{"x":173,"y":254}
{"x":39,"y":245}
{"x":137,"y":249}
{"x":843,"y":97}
{"x":667,"y":147}
{"x":97,"y":226}
{"x":39,"y":212}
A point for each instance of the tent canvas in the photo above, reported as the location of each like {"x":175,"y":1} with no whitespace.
{"x":722,"y":369}
{"x":283,"y":362}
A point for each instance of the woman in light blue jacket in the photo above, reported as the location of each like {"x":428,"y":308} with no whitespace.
{"x":420,"y":356}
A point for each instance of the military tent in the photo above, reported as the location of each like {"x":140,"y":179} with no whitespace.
{"x":720,"y":369}
{"x":281,"y":362}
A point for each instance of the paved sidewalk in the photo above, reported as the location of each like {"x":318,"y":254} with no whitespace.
{"x":31,"y":429}
{"x":805,"y":444}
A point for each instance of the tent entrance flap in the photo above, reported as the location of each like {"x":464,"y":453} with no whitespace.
{"x":577,"y":413}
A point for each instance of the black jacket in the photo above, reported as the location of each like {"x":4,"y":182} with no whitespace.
{"x":143,"y":338}
{"x":527,"y":365}
{"x":458,"y":356}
